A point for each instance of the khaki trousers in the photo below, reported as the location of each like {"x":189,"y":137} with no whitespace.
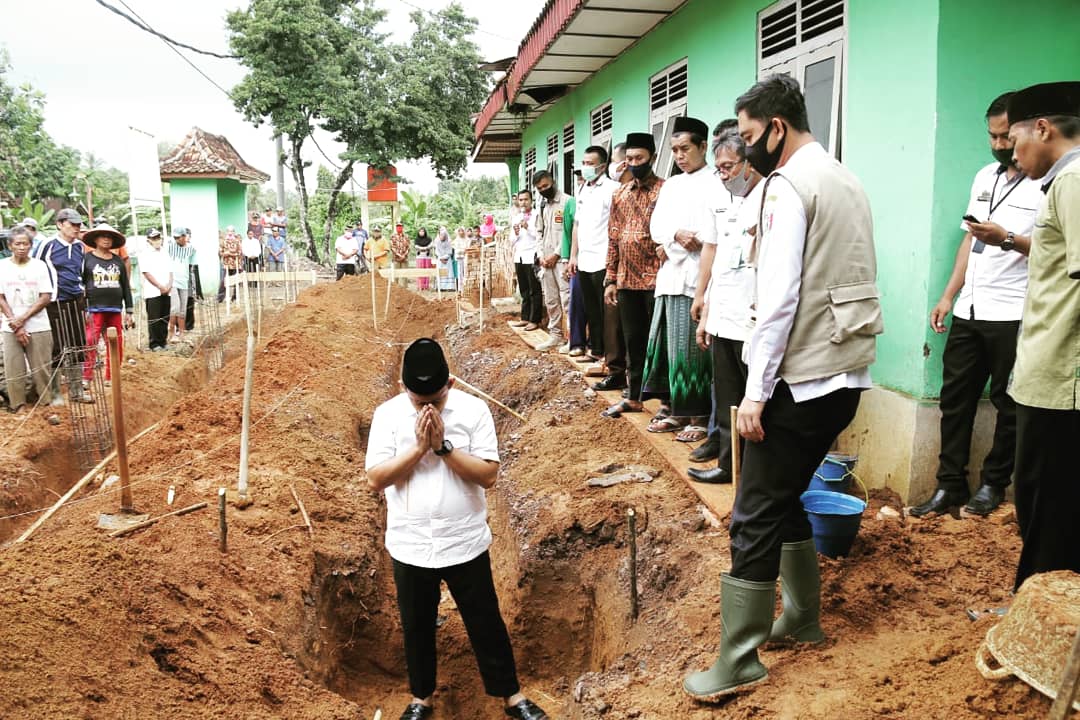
{"x":38,"y":355}
{"x":556,"y":298}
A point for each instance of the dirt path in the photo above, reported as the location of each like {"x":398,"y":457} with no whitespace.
{"x":161,"y":623}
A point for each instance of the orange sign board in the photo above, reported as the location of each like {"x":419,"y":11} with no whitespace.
{"x":381,"y":184}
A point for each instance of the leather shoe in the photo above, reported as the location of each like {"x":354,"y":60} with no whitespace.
{"x":708,"y":450}
{"x":940,"y":503}
{"x":611,"y":382}
{"x":417,"y":711}
{"x":713,"y":476}
{"x":526,"y":710}
{"x":985,"y":500}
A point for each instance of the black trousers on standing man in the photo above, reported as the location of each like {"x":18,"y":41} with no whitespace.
{"x":635,"y":316}
{"x":729,"y":387}
{"x":605,"y":333}
{"x":157,"y":321}
{"x":977,"y":351}
{"x":532,"y":296}
{"x":471,"y":585}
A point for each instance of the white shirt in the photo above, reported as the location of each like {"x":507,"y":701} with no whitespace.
{"x":251,"y":247}
{"x":346,"y":244}
{"x":731,"y":287}
{"x":525,"y":240}
{"x":779,"y":273}
{"x":434,"y":519}
{"x":685,"y":202}
{"x":158,"y":265}
{"x":21,"y":285}
{"x":591,"y":217}
{"x":996,"y":280}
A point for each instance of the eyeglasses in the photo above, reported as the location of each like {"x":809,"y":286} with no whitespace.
{"x":727,"y":168}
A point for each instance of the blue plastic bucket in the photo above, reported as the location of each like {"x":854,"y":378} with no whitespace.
{"x":835,"y":518}
{"x":834,"y":474}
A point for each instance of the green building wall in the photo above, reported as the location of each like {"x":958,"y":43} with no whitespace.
{"x":918,"y":78}
{"x":232,"y":204}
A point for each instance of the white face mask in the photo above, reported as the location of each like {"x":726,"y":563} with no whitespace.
{"x":615,"y":170}
{"x":589,"y":172}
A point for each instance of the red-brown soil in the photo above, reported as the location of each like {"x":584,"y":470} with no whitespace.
{"x":160,"y":623}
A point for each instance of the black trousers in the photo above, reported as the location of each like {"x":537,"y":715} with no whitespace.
{"x":635,"y":316}
{"x":157,"y":321}
{"x":221,"y":288}
{"x":729,"y":387}
{"x":67,"y":320}
{"x":471,"y":585}
{"x":532,"y":296}
{"x":776,"y":471}
{"x":1047,"y":490}
{"x":344,"y":269}
{"x":977,"y":351}
{"x":592,"y":292}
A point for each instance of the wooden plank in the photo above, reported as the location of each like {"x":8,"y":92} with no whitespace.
{"x":532,"y":338}
{"x":405,"y":273}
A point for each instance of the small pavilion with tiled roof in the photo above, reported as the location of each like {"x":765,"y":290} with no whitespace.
{"x":208,"y":186}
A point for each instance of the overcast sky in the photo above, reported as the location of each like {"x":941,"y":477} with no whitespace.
{"x":101,"y":74}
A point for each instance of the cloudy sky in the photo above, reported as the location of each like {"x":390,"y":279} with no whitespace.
{"x":101,"y":74}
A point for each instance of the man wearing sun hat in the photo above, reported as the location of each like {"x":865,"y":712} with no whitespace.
{"x":1044,"y":125}
{"x":433,"y":452}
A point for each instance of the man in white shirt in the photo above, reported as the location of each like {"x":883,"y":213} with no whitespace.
{"x":677,"y":371}
{"x":725,"y":292}
{"x":433,"y":452}
{"x":588,"y":260}
{"x":346,"y":248}
{"x":817,"y":317}
{"x":155,"y":265}
{"x":990,"y":274}
{"x":25,"y":290}
{"x":524,"y":234}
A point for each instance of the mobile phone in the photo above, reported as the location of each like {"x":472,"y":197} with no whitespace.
{"x":971,"y":219}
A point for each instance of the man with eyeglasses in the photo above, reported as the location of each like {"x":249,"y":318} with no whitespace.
{"x":63,"y":255}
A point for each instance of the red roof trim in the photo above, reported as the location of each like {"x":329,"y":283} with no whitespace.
{"x":545,"y":31}
{"x":494,"y":104}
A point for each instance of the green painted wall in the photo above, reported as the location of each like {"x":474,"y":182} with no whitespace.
{"x":918,"y":78}
{"x":232,"y":204}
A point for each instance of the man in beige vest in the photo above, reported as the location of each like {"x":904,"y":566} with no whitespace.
{"x":816,"y":318}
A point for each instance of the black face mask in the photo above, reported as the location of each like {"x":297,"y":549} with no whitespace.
{"x":641,"y":171}
{"x":760,"y":158}
{"x":1005,"y":157}
{"x":548,"y":193}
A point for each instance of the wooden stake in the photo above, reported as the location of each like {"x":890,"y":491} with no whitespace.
{"x":480,"y":393}
{"x":736,"y":449}
{"x":119,"y":432}
{"x":303,"y":511}
{"x":1070,"y":682}
{"x":242,"y":499}
{"x":79,"y":485}
{"x":631,"y":518}
{"x":223,"y":528}
{"x":389,"y":285}
{"x":374,"y":311}
{"x":151,"y":521}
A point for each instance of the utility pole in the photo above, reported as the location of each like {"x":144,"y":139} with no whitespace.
{"x":278,"y":158}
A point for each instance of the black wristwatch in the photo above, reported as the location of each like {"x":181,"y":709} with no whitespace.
{"x":446,"y":448}
{"x":1009,"y":242}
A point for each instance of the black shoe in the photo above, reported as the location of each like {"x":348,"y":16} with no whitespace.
{"x":611,"y":382}
{"x":941,"y":502}
{"x":708,"y":450}
{"x":417,"y":711}
{"x":713,"y":476}
{"x":526,"y":710}
{"x":985,"y":500}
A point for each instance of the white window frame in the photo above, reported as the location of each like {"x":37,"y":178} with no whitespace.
{"x":553,"y":157}
{"x":530,"y":167}
{"x":662,"y":119}
{"x":794,"y":62}
{"x":602,"y":138}
{"x":568,"y":162}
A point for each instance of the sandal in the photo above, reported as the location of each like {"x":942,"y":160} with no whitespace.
{"x":616,"y":410}
{"x":665,"y":424}
{"x":662,"y":413}
{"x":692,"y":433}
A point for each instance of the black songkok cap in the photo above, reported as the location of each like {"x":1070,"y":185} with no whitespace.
{"x":423,"y":367}
{"x":641,"y":140}
{"x":1045,"y":100}
{"x":690,"y":125}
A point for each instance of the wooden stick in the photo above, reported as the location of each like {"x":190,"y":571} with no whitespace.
{"x":303,"y":511}
{"x":736,"y":448}
{"x":245,"y":422}
{"x":1070,"y":681}
{"x":389,"y":286}
{"x":77,"y":487}
{"x":151,"y":521}
{"x":223,"y":528}
{"x":480,"y":393}
{"x":119,"y":432}
{"x":374,"y":311}
{"x":631,"y":518}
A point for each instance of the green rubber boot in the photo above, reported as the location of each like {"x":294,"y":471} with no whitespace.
{"x":800,"y":591}
{"x":746,"y":609}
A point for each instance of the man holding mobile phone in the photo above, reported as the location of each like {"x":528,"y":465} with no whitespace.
{"x":990,"y":276}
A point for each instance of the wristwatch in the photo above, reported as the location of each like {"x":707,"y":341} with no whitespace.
{"x":446,"y":448}
{"x":1009,"y":242}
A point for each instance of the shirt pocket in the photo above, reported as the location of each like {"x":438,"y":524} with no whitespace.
{"x":855,"y":310}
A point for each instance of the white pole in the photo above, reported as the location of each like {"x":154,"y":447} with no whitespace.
{"x":482,"y":286}
{"x":134,"y":221}
{"x":245,"y":427}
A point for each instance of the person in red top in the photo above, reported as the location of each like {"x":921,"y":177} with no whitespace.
{"x":632,"y":262}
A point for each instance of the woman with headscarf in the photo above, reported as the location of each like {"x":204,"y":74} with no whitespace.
{"x":444,"y":260}
{"x":423,"y":256}
{"x":463,"y":240}
{"x":488,"y":230}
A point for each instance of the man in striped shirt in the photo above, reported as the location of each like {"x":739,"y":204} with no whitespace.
{"x":182,"y":253}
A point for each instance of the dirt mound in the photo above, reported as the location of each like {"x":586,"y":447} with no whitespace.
{"x":283,"y":625}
